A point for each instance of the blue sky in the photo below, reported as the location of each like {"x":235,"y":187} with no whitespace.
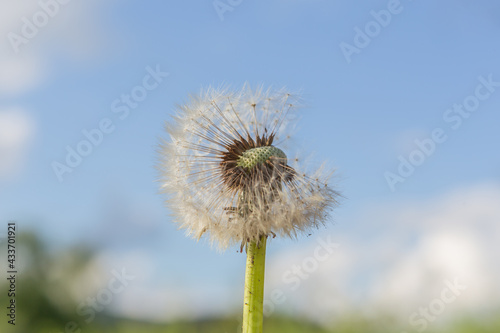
{"x":359,"y":115}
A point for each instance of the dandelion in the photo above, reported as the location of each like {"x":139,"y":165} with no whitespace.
{"x":226,"y":177}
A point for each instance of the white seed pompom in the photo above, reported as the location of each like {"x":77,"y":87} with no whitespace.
{"x":225,"y":175}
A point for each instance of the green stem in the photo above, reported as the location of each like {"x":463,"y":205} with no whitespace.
{"x":254,"y":287}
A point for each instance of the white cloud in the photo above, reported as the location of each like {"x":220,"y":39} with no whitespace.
{"x":146,"y":298}
{"x":75,"y":30}
{"x":458,"y":236}
{"x":19,"y":74}
{"x":404,"y":262}
{"x":396,"y":268}
{"x":16,"y":134}
{"x":163,"y":304}
{"x":308,"y":276}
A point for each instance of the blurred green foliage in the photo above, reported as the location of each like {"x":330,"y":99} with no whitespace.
{"x":44,"y":304}
{"x":42,"y":301}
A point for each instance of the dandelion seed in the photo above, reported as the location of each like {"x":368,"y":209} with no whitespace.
{"x":226,"y":176}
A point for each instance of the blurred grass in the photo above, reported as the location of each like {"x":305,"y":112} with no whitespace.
{"x":271,"y":325}
{"x":44,"y":305}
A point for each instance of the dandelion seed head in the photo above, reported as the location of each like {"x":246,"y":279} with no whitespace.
{"x":225,"y":175}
